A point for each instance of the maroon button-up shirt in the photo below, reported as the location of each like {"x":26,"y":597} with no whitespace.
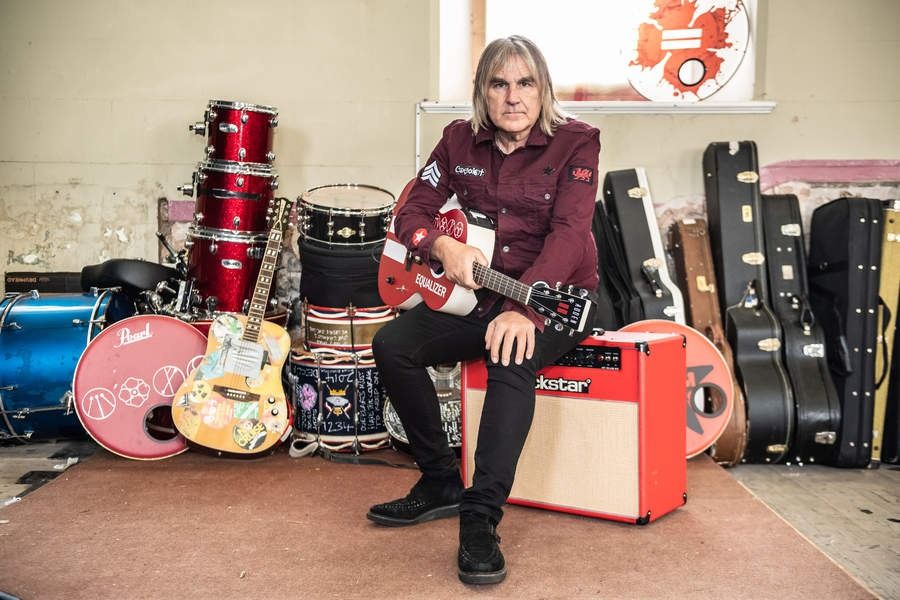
{"x":541,"y":198}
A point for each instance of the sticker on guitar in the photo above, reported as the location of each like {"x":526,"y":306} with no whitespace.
{"x":404,"y":281}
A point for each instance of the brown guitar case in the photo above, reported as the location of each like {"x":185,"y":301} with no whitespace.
{"x":694,"y":268}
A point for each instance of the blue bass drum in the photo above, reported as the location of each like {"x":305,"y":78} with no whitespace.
{"x":42,"y":336}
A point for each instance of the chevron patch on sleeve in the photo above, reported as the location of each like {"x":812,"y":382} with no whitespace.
{"x":431,"y":174}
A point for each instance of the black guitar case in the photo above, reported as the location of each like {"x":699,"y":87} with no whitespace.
{"x":754,"y":335}
{"x":615,"y":283}
{"x":627,"y":197}
{"x":844,"y":263}
{"x":731,"y":180}
{"x":817,"y":410}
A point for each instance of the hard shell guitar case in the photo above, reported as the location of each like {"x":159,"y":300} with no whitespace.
{"x":614,"y":277}
{"x":696,"y":274}
{"x":731,"y":180}
{"x":884,"y":446}
{"x":633,"y":219}
{"x":844,"y":264}
{"x":817,"y":410}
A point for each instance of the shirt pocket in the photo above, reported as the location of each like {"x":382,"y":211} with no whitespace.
{"x":539,"y":199}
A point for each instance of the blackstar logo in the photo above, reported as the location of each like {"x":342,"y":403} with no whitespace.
{"x":429,"y":284}
{"x":126,"y":337}
{"x":560,"y":384}
{"x":467,"y":170}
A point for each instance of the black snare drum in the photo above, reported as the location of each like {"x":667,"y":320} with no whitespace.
{"x":346,"y":215}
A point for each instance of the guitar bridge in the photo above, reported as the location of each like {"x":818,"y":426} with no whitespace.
{"x":235,"y":394}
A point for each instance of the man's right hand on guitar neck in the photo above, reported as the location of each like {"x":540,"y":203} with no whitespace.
{"x":457,"y":259}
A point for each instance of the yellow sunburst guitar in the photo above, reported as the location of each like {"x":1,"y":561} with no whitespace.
{"x":234,"y":401}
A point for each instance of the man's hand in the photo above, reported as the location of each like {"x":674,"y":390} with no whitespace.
{"x":457,"y":259}
{"x":506,"y":328}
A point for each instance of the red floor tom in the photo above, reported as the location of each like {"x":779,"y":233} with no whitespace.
{"x":225,"y":265}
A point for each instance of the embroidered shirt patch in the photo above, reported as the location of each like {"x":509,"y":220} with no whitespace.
{"x":582,"y":174}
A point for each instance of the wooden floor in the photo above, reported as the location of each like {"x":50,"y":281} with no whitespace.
{"x":853,"y":516}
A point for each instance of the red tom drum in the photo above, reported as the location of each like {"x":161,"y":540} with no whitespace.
{"x":225,"y":265}
{"x":238,"y":131}
{"x":233,"y":196}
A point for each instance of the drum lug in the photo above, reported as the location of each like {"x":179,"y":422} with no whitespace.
{"x":274,"y":183}
{"x":68,"y":399}
{"x":199,"y":128}
{"x":244,"y":117}
{"x":211,"y":115}
{"x":77,"y":322}
{"x":9,"y":388}
{"x":189,"y":243}
{"x":255,"y":253}
{"x":198,"y":218}
{"x":210,"y":149}
{"x":13,"y":325}
{"x":273,"y":121}
{"x":239,"y":180}
{"x":186,"y":189}
{"x":236,"y":222}
{"x":242,"y":153}
{"x":213,"y":248}
{"x":270,"y":155}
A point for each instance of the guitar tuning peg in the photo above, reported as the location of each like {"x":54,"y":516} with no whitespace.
{"x":558,"y":327}
{"x":546,"y":322}
{"x":558,"y":285}
{"x":582,"y":293}
{"x":569,"y":288}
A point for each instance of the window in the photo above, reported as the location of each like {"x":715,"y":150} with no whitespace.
{"x":612,"y":49}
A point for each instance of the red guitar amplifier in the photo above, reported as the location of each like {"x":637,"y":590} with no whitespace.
{"x":608,"y":434}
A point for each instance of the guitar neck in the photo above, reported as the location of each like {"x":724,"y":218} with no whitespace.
{"x":500,"y":283}
{"x":257,"y":311}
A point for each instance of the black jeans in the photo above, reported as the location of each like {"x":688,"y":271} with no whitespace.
{"x":422,"y":337}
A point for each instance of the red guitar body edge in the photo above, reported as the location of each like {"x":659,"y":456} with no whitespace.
{"x":405,"y":283}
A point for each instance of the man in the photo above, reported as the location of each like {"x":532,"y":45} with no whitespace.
{"x":523,"y":163}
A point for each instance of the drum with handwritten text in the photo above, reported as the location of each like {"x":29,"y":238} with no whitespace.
{"x":338,"y":400}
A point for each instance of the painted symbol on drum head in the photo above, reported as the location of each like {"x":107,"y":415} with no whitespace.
{"x":97,"y":403}
{"x":134,"y":392}
{"x":167,"y":380}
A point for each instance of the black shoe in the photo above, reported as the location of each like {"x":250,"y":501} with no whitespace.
{"x":428,"y":500}
{"x":479,"y":559}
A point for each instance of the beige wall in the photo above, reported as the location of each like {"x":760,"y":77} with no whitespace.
{"x":97,"y":96}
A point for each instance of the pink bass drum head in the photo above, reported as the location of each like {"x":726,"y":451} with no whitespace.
{"x":125,"y":381}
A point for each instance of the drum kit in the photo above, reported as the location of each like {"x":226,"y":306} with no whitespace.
{"x":72,"y":364}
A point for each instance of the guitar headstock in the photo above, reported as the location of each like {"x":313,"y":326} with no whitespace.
{"x":571,"y":310}
{"x":278,"y":213}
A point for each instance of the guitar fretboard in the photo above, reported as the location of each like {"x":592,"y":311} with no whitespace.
{"x":257,"y":311}
{"x":500,"y":283}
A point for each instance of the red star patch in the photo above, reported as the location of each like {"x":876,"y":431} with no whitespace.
{"x":418,"y":236}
